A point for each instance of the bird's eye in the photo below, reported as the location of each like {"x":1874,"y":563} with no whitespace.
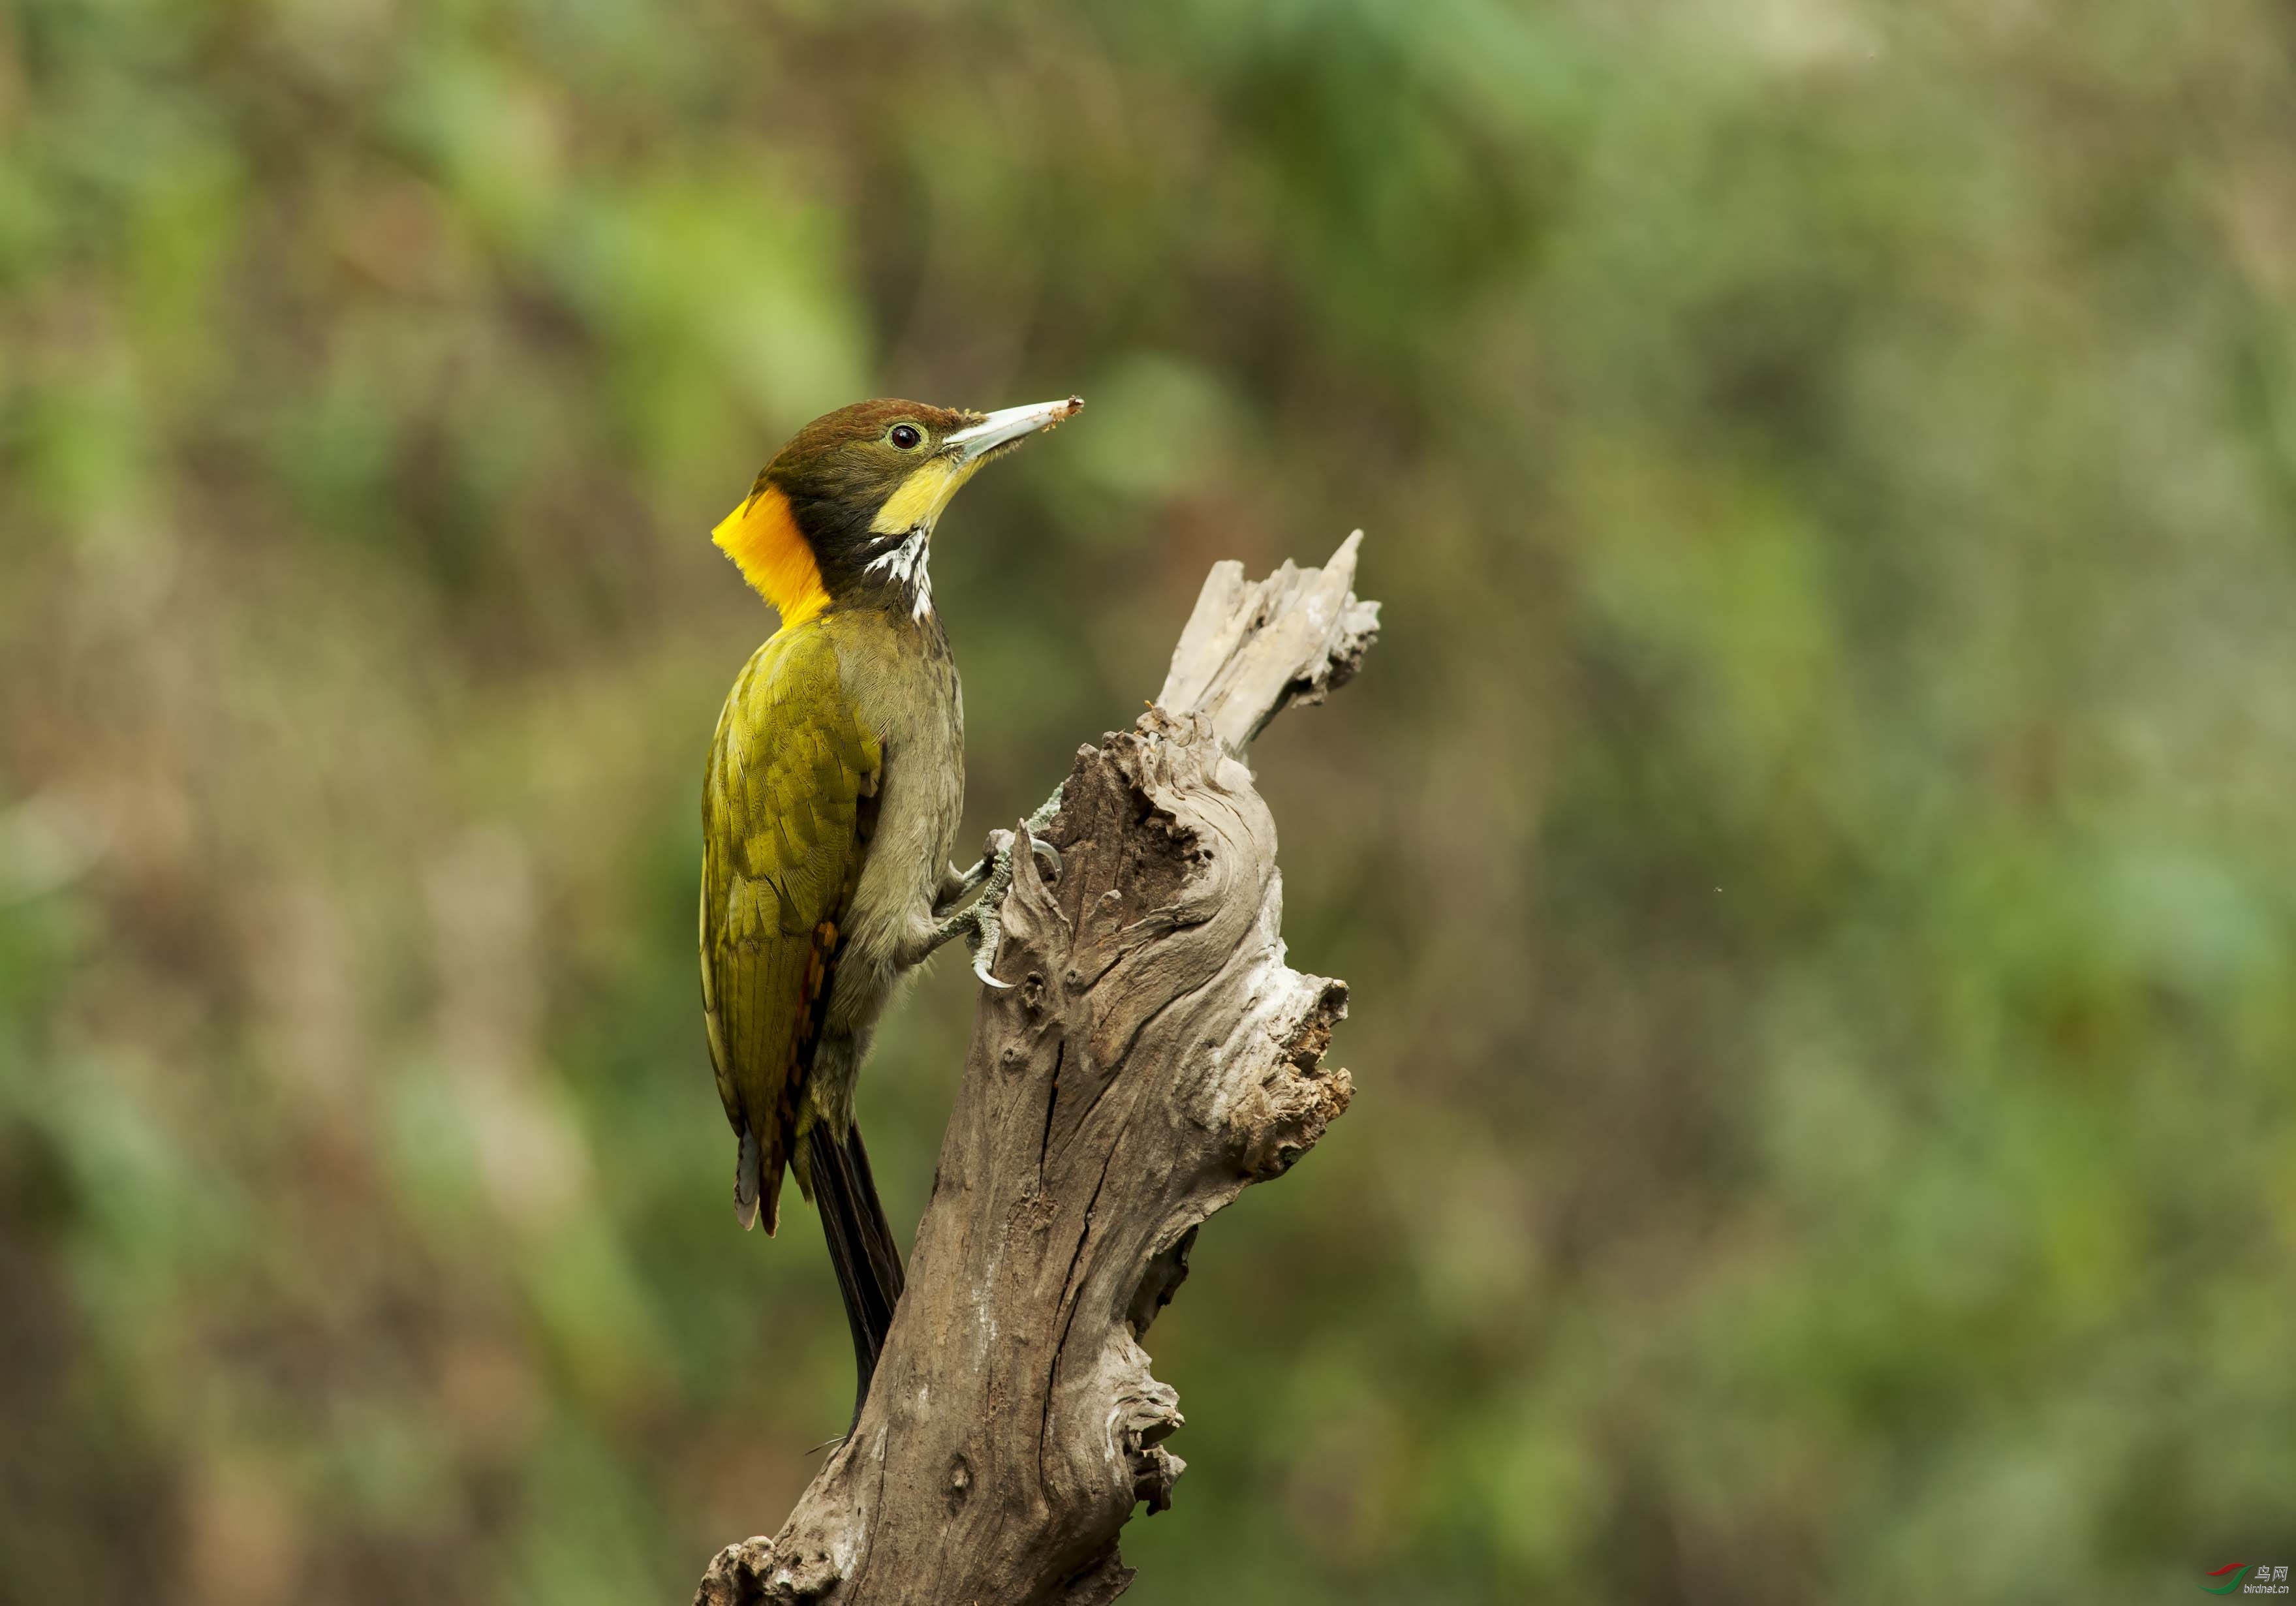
{"x":906,"y":436}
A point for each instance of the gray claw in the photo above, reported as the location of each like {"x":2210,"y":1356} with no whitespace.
{"x":984,"y":953}
{"x":1049,"y":853}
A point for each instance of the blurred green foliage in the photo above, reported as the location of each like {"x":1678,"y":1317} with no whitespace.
{"x":1812,"y":851}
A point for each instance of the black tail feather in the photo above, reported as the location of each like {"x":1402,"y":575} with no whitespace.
{"x":861,"y":1247}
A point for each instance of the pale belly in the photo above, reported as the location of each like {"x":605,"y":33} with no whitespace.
{"x":911,"y":701}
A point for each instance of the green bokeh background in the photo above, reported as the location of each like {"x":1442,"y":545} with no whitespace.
{"x":1812,"y":849}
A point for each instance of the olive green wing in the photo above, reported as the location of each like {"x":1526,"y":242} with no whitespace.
{"x":782,"y":834}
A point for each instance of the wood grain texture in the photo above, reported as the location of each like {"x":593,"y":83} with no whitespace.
{"x":1154,"y":1056}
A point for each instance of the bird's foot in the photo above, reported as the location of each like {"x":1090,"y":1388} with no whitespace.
{"x":978,"y":922}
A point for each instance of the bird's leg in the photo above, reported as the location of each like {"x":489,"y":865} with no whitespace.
{"x":961,"y":884}
{"x":1041,"y":821}
{"x":979,"y":921}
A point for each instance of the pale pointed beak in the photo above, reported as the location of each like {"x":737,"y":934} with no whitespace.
{"x":1004,"y":428}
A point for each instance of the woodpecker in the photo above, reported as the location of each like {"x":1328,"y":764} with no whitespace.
{"x":831,"y":803}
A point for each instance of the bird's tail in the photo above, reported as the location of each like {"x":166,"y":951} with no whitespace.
{"x":861,"y":1246}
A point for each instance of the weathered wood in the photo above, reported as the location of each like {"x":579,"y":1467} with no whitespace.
{"x":1153,"y":1057}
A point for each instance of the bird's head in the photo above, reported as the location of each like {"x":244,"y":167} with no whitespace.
{"x":844,"y":513}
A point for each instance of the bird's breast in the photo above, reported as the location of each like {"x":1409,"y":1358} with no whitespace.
{"x":903,"y":687}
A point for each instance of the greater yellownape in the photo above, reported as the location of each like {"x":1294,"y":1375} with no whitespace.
{"x":834,"y":789}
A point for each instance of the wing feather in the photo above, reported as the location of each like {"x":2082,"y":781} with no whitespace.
{"x":782,"y":836}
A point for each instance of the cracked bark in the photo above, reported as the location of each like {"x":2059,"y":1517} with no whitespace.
{"x":1154,"y":1056}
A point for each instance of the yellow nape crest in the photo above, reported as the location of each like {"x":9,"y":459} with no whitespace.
{"x":761,"y":536}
